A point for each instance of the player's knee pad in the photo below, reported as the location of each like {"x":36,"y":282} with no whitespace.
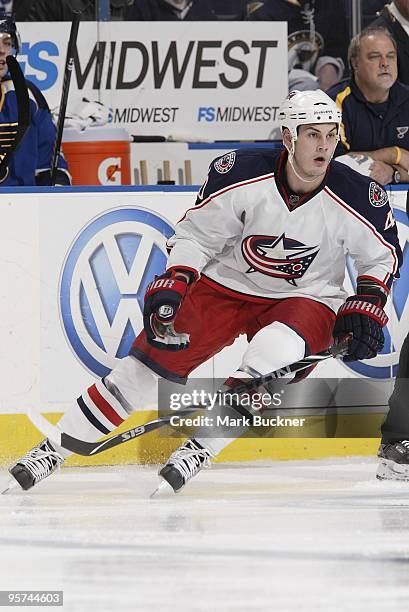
{"x":132,"y":384}
{"x":273,"y":347}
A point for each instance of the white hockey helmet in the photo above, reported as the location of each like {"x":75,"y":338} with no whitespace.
{"x":304,"y":107}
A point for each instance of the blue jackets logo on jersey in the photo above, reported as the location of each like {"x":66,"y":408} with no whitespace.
{"x":103,"y":283}
{"x":264,"y":254}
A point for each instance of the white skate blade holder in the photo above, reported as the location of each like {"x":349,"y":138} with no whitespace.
{"x":12,"y":484}
{"x":163,"y":489}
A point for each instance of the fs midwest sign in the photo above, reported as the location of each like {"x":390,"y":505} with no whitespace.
{"x":187,"y":80}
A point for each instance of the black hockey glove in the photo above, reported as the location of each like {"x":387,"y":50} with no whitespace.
{"x":362,"y":316}
{"x":163,"y":298}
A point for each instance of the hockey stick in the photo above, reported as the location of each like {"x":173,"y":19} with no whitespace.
{"x":77,"y":7}
{"x":23,"y":113}
{"x":81,"y":447}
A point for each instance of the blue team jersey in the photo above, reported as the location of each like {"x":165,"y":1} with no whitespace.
{"x":31,"y":162}
{"x":366,"y":126}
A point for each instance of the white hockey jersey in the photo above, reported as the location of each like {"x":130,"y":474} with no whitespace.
{"x":248,"y":235}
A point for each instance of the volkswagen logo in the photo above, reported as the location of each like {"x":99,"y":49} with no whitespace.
{"x":103,"y":282}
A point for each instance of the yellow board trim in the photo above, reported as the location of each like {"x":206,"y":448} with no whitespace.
{"x":339,"y":100}
{"x":18,"y":435}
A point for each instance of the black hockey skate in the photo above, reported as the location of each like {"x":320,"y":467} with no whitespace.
{"x":183,"y":464}
{"x":394,"y":464}
{"x":37,"y":464}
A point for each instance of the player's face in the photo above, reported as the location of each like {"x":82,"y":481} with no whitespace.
{"x":6,"y":48}
{"x":314,"y":148}
{"x":376,"y":66}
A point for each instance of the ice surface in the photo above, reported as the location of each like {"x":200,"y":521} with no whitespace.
{"x":299,"y":535}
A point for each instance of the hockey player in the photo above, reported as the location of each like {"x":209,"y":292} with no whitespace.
{"x":261,"y":253}
{"x":30,"y":164}
{"x":394,"y":448}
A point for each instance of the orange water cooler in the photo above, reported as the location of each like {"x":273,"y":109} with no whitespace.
{"x":98,"y":156}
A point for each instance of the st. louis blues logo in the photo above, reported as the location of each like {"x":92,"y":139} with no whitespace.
{"x":278,"y":256}
{"x":103,"y":282}
{"x":402,"y":131}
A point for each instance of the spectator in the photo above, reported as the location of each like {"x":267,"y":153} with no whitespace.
{"x":375,"y":107}
{"x":370,"y":11}
{"x":141,"y":10}
{"x":50,"y":10}
{"x":31,"y":162}
{"x":19,"y":8}
{"x":317,"y":49}
{"x":395,"y":17}
{"x":395,"y":429}
{"x":171,"y":10}
{"x":229,"y":10}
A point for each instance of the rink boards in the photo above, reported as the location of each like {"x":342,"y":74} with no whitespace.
{"x":74,"y":266}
